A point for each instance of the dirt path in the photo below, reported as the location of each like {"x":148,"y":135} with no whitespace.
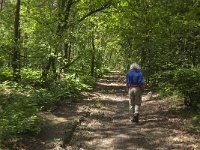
{"x":105,"y":125}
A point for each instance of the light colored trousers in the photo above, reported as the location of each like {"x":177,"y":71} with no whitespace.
{"x":135,"y":94}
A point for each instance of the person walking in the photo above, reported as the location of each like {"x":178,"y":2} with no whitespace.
{"x":135,"y":85}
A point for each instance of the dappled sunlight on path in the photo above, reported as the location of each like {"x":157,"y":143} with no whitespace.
{"x":108,"y":126}
{"x":101,"y":122}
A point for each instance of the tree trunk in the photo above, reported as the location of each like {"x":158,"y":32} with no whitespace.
{"x":1,"y":3}
{"x":92,"y":56}
{"x":16,"y":50}
{"x":67,"y":56}
{"x":63,"y":7}
{"x":51,"y":63}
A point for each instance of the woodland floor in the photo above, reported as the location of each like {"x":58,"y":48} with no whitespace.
{"x":100,"y":122}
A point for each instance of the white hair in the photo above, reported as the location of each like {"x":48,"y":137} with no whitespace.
{"x":135,"y":66}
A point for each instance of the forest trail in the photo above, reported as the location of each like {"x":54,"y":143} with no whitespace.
{"x":101,"y":122}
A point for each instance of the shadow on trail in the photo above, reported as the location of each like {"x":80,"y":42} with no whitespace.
{"x":111,"y":89}
{"x":154,"y":131}
{"x":157,"y":129}
{"x":53,"y":128}
{"x":106,"y":123}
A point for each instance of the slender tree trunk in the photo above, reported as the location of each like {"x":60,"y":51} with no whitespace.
{"x":16,"y":49}
{"x":92,"y":55}
{"x":46,"y":68}
{"x":67,"y":55}
{"x":1,"y":3}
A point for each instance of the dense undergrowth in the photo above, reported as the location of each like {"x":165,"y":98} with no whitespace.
{"x":20,"y":102}
{"x":183,"y":83}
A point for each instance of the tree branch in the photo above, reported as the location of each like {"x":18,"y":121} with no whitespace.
{"x":108,"y":4}
{"x":70,"y":63}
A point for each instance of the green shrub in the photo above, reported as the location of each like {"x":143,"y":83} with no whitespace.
{"x":68,"y":88}
{"x":101,"y":72}
{"x":88,"y":80}
{"x":42,"y":98}
{"x":196,"y":118}
{"x":18,"y":114}
{"x":21,"y":102}
{"x":185,"y":81}
{"x":29,"y":76}
{"x":2,"y":61}
{"x":5,"y":75}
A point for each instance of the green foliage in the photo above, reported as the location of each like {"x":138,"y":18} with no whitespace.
{"x":99,"y":104}
{"x":30,"y":76}
{"x":196,"y":118}
{"x":20,"y":102}
{"x":17,"y":113}
{"x":42,"y":98}
{"x":69,"y":87}
{"x":102,"y":71}
{"x":162,"y":36}
{"x":2,"y":61}
{"x":5,"y":75}
{"x":88,"y":80}
{"x":185,"y":81}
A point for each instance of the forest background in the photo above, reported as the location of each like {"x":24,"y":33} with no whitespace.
{"x":52,"y":50}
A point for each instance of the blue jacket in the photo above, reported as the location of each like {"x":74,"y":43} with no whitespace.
{"x":134,"y":77}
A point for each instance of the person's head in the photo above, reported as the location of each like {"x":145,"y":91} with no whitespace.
{"x":134,"y":66}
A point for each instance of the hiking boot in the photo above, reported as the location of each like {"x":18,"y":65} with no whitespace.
{"x":135,"y":118}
